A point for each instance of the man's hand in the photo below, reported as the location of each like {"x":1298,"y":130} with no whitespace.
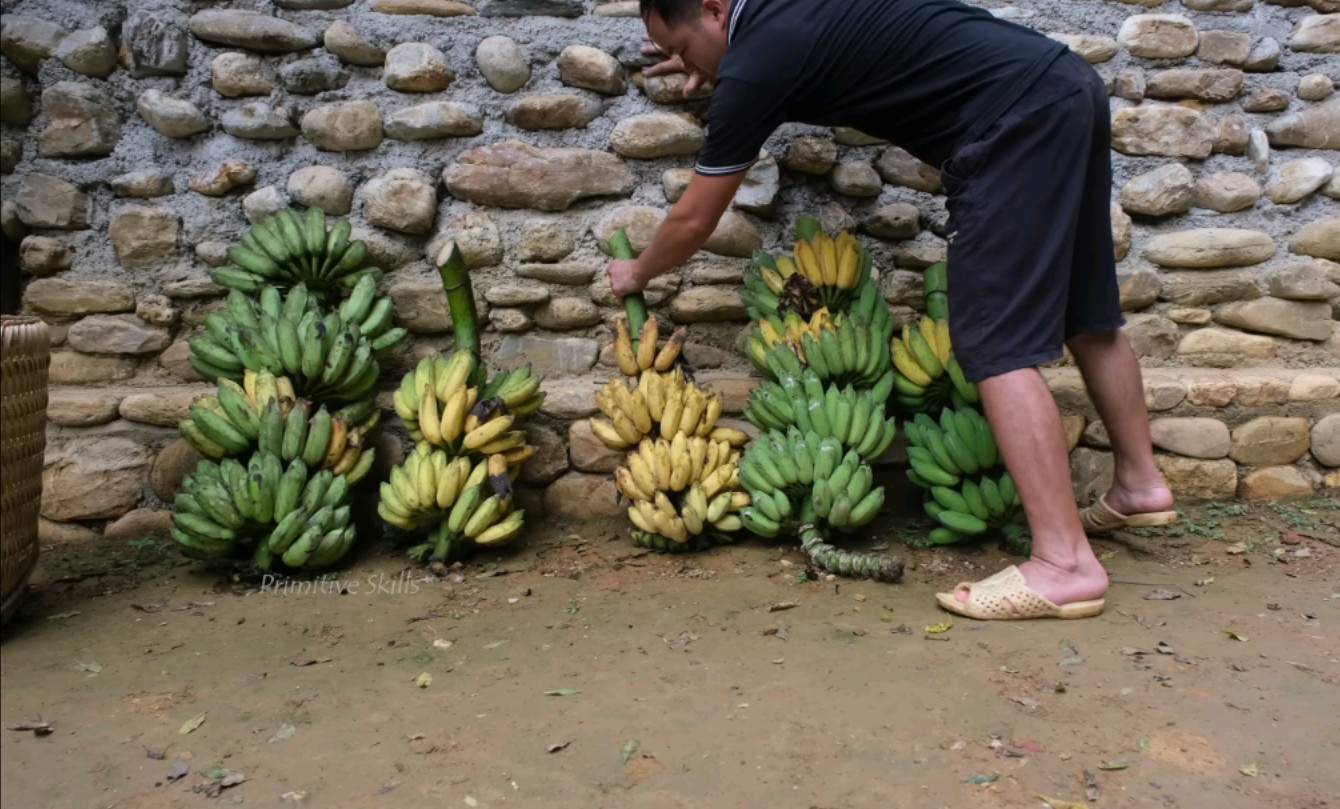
{"x":672,"y":65}
{"x":687,"y":227}
{"x":625,"y":277}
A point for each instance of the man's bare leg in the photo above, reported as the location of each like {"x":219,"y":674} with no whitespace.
{"x":1027,"y":426}
{"x":1112,"y":375}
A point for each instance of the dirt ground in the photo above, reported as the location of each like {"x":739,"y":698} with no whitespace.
{"x":578,"y":671}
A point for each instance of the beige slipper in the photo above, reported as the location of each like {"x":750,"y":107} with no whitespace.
{"x":1006,"y":596}
{"x":1100,"y":518}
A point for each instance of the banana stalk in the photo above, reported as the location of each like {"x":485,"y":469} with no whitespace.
{"x":460,"y":301}
{"x":807,"y":227}
{"x":635,"y":305}
{"x":845,"y":563}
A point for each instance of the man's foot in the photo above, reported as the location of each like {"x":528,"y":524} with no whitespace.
{"x":1124,"y":500}
{"x":1127,"y":507}
{"x":1036,"y":589}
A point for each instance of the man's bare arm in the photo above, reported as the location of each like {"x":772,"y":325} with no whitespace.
{"x":690,"y":223}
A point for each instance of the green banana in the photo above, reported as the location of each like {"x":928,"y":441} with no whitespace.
{"x":961,"y":522}
{"x":295,"y":433}
{"x":218,"y":429}
{"x":291,"y":485}
{"x":359,"y":303}
{"x":272,"y":428}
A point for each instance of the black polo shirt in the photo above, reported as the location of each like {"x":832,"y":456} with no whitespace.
{"x":923,"y":74}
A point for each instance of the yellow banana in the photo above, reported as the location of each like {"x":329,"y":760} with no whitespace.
{"x":636,"y":516}
{"x":429,"y":417}
{"x":452,"y":422}
{"x":809,"y":263}
{"x":680,"y":464}
{"x":771,"y":336}
{"x":697,"y":457}
{"x":695,"y":403}
{"x":907,"y":364}
{"x":666,"y":357}
{"x":710,"y":416}
{"x":674,"y":408}
{"x":849,"y":262}
{"x":732,"y":436}
{"x":488,"y":431}
{"x":449,"y":484}
{"x":786,"y":267}
{"x":623,"y":349}
{"x":623,"y":480}
{"x":648,"y":514}
{"x":827,"y":258}
{"x":652,"y":390}
{"x":509,"y":440}
{"x":664,"y":467}
{"x":624,"y":401}
{"x":608,"y":436}
{"x":641,"y":473}
{"x":339,"y":439}
{"x":646,"y":346}
{"x":403,"y":408}
{"x":711,"y":460}
{"x":625,"y":427}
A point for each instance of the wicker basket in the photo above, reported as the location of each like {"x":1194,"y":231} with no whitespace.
{"x":25,"y":354}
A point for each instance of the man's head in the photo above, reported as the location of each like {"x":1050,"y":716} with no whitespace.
{"x":693,"y":30}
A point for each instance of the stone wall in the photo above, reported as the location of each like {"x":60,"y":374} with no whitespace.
{"x":139,"y":139}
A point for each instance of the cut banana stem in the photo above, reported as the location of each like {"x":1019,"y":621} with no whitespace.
{"x":635,"y":305}
{"x":460,"y":298}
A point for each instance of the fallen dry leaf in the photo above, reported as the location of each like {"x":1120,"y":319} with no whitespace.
{"x":191,"y":724}
{"x":1056,"y":803}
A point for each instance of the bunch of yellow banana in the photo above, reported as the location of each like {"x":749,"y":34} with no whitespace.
{"x":792,"y":330}
{"x":824,"y":261}
{"x":823,"y":271}
{"x":684,"y":489}
{"x":664,"y":404}
{"x":464,"y":501}
{"x":927,"y":376}
{"x":441,"y":407}
{"x":635,"y":361}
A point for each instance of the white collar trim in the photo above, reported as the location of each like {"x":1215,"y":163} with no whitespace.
{"x":734,"y":16}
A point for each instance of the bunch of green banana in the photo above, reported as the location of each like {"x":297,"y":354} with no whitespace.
{"x":684,"y":490}
{"x":927,"y":376}
{"x":440,"y":406}
{"x":783,"y":468}
{"x":462,"y":501}
{"x":854,"y":417}
{"x":264,"y":413}
{"x":317,"y":531}
{"x":229,"y":509}
{"x":956,"y":460}
{"x":284,"y":250}
{"x":823,"y":272}
{"x":331,"y":357}
{"x":663,"y":404}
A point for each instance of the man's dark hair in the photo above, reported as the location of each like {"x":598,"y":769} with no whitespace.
{"x":672,"y":12}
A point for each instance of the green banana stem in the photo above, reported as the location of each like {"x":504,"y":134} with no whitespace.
{"x":262,"y":558}
{"x":807,"y":227}
{"x":460,"y":299}
{"x":442,"y":548}
{"x":855,"y":565}
{"x":635,"y":305}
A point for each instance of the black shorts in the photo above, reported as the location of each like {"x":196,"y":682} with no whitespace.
{"x":1030,"y":232}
